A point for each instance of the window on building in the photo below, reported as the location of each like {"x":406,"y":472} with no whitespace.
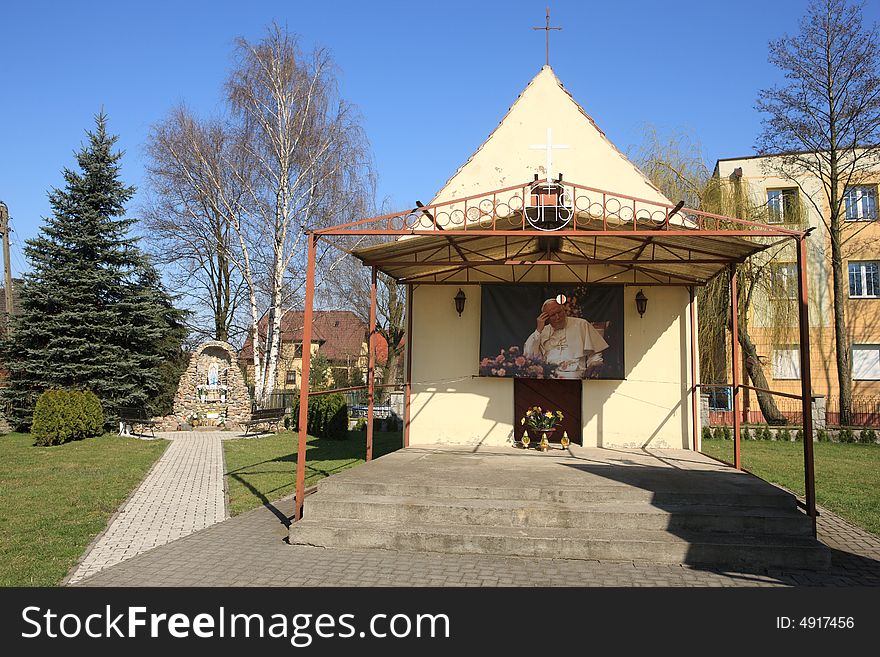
{"x":719,"y":399}
{"x":291,"y":378}
{"x":860,"y":203}
{"x":783,"y":281}
{"x":298,"y":350}
{"x":864,"y":280}
{"x":787,"y":362}
{"x":782,"y":206}
{"x":866,"y":362}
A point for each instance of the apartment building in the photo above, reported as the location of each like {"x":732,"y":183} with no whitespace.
{"x":771,"y":318}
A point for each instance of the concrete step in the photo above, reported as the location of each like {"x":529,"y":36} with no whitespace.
{"x":749,"y":494}
{"x":738,"y":551}
{"x":605,"y":514}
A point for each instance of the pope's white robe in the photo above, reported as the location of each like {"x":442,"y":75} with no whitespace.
{"x":566,"y":347}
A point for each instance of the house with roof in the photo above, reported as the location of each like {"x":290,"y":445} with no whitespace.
{"x":340,"y":336}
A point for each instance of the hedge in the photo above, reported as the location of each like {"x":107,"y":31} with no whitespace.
{"x":328,"y":416}
{"x":64,"y":415}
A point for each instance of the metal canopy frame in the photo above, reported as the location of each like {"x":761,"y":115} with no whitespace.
{"x":596,"y":236}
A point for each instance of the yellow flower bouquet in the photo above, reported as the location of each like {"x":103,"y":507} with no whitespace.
{"x":539,"y":419}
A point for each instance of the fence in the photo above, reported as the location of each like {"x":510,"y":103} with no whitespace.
{"x":284,"y":400}
{"x":355,"y":399}
{"x":866,"y":411}
{"x":790,"y":408}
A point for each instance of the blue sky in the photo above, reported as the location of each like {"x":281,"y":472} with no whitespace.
{"x":430,"y":79}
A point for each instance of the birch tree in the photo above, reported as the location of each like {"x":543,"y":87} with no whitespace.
{"x":294,"y":158}
{"x":824,"y":123}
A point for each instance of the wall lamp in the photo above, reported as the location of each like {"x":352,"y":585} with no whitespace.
{"x":459,"y":302}
{"x":641,"y":303}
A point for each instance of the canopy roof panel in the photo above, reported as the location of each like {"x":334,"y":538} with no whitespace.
{"x":595,"y":236}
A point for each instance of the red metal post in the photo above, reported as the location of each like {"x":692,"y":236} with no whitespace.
{"x":734,"y":365}
{"x":695,"y":395}
{"x":409,"y":341}
{"x":806,"y":382}
{"x":304,"y":378}
{"x":371,"y":377}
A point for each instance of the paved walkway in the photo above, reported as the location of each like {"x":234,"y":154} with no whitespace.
{"x":182,"y":494}
{"x":250,"y":550}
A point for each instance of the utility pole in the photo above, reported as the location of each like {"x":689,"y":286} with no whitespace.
{"x":7,"y":267}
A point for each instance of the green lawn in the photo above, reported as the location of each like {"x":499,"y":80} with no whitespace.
{"x":55,"y":500}
{"x":847,"y":475}
{"x":261,"y":470}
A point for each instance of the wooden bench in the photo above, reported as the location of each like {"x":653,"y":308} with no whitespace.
{"x":267,"y":416}
{"x":132,"y":416}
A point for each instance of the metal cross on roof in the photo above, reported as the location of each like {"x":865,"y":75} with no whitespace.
{"x":547,"y":29}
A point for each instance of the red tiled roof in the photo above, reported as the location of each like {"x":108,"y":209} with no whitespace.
{"x":340,"y":333}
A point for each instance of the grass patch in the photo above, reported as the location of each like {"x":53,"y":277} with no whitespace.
{"x":262,"y":470}
{"x":55,"y":500}
{"x":847,"y":475}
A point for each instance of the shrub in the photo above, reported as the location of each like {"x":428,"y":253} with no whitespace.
{"x":64,"y":415}
{"x":717,"y":434}
{"x":745,"y":434}
{"x":361,"y":425}
{"x":822,"y":436}
{"x":784,"y":434}
{"x":725,"y":431}
{"x":328,"y":416}
{"x":846,"y":436}
{"x":799,"y":435}
{"x":868,"y":436}
{"x":94,"y":413}
{"x":707,"y":433}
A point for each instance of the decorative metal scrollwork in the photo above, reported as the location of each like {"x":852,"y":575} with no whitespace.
{"x":549,"y":207}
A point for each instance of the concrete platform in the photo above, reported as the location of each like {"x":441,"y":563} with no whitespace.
{"x":665,"y":506}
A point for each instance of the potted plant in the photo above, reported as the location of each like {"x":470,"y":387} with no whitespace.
{"x":540,"y":424}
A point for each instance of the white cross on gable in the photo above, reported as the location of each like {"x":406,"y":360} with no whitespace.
{"x":549,"y":146}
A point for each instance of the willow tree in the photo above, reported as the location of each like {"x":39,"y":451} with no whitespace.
{"x":674,"y":163}
{"x":824,"y":123}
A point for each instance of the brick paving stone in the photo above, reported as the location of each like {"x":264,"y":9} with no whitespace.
{"x":182,"y":494}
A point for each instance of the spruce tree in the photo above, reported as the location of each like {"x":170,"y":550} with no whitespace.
{"x":93,"y":313}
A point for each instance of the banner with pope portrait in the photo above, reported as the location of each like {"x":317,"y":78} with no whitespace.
{"x":552,"y":331}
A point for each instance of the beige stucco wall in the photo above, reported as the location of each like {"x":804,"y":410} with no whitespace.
{"x":450,"y":404}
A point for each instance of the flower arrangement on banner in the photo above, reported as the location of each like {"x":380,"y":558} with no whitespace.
{"x":512,"y":362}
{"x":537,"y":418}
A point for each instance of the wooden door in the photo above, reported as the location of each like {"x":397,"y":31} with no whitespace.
{"x":550,"y":394}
